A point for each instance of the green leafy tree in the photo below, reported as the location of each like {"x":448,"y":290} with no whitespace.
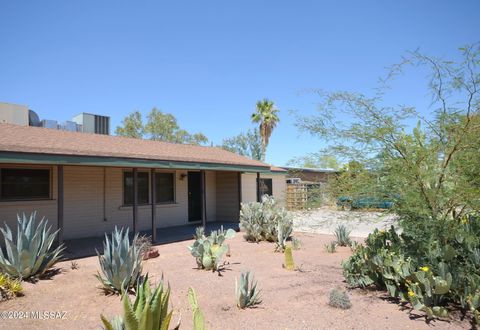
{"x":266,"y":115}
{"x":428,"y":165}
{"x":164,"y":127}
{"x":132,"y":126}
{"x":159,"y":127}
{"x":247,"y":144}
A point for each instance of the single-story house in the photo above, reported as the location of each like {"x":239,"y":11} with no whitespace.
{"x":86,"y":184}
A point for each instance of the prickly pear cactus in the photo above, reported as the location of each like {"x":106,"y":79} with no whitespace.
{"x":209,"y":251}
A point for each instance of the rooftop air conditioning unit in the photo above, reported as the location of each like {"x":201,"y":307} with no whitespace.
{"x":91,"y":123}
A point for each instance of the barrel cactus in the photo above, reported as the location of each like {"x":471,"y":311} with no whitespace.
{"x":289,"y":264}
{"x":339,"y":299}
{"x":121,"y":262}
{"x":31,"y":253}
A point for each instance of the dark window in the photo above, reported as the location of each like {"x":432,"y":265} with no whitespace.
{"x":21,"y":183}
{"x":165,"y":187}
{"x":143,"y":191}
{"x":266,"y":187}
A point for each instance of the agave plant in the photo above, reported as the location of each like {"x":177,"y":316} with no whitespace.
{"x":149,"y":311}
{"x":121,"y":262}
{"x":342,"y":235}
{"x":247,"y":292}
{"x":30,"y":253}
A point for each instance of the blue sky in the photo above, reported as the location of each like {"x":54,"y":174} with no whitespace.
{"x":208,"y":62}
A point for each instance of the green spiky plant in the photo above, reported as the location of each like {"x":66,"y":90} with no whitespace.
{"x":339,"y":299}
{"x":331,"y":247}
{"x":121,"y":262}
{"x":342,"y":235}
{"x":9,"y":288}
{"x":289,"y":264}
{"x":149,"y":311}
{"x":31,"y":253}
{"x":198,"y":319}
{"x":247,"y":292}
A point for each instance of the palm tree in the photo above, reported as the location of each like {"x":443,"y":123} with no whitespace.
{"x":266,"y":116}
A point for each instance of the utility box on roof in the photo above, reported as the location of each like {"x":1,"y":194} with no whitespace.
{"x":13,"y":114}
{"x":91,"y":123}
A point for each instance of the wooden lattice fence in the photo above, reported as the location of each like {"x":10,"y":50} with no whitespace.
{"x":297,"y":196}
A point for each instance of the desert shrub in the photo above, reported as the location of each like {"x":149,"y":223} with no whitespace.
{"x":210,"y":250}
{"x":30,"y":253}
{"x":432,"y":265}
{"x":331,"y":247}
{"x":266,"y":221}
{"x":9,"y":288}
{"x":247,"y":292}
{"x":120,"y":263}
{"x":198,"y":319}
{"x":149,"y":311}
{"x":339,"y":299}
{"x":342,"y":235}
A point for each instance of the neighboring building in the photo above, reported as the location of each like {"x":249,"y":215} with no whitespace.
{"x":309,"y":175}
{"x":84,"y":122}
{"x":85,"y":184}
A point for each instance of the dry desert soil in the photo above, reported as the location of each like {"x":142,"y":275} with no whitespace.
{"x":291,"y":299}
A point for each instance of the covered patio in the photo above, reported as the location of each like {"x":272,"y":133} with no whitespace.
{"x":86,"y":247}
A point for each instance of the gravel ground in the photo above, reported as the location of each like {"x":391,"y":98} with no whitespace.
{"x":325,"y":219}
{"x":294,"y":300}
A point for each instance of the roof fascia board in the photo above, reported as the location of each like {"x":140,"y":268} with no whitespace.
{"x":54,"y":159}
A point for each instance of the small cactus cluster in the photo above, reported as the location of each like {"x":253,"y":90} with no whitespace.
{"x":339,"y":299}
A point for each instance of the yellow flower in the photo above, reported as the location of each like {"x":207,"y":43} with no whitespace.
{"x":425,"y":269}
{"x":411,"y":294}
{"x":464,"y":220}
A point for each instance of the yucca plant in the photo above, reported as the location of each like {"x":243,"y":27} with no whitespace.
{"x":9,"y":288}
{"x":121,"y":262}
{"x":247,"y":292}
{"x":342,"y":235}
{"x":198,"y":319}
{"x":149,"y":311}
{"x":31,"y":252}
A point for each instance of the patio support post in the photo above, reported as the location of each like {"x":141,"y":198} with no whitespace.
{"x":135,"y":200}
{"x":239,"y":182}
{"x":60,"y":202}
{"x":259,"y":198}
{"x":154,"y":205}
{"x":204,"y":199}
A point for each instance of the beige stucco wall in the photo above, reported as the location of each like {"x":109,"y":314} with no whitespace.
{"x":249,"y":189}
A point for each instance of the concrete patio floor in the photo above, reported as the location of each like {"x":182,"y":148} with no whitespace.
{"x":85,"y":247}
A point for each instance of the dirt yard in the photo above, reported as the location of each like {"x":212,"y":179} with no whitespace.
{"x":291,"y":300}
{"x":324,"y":220}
